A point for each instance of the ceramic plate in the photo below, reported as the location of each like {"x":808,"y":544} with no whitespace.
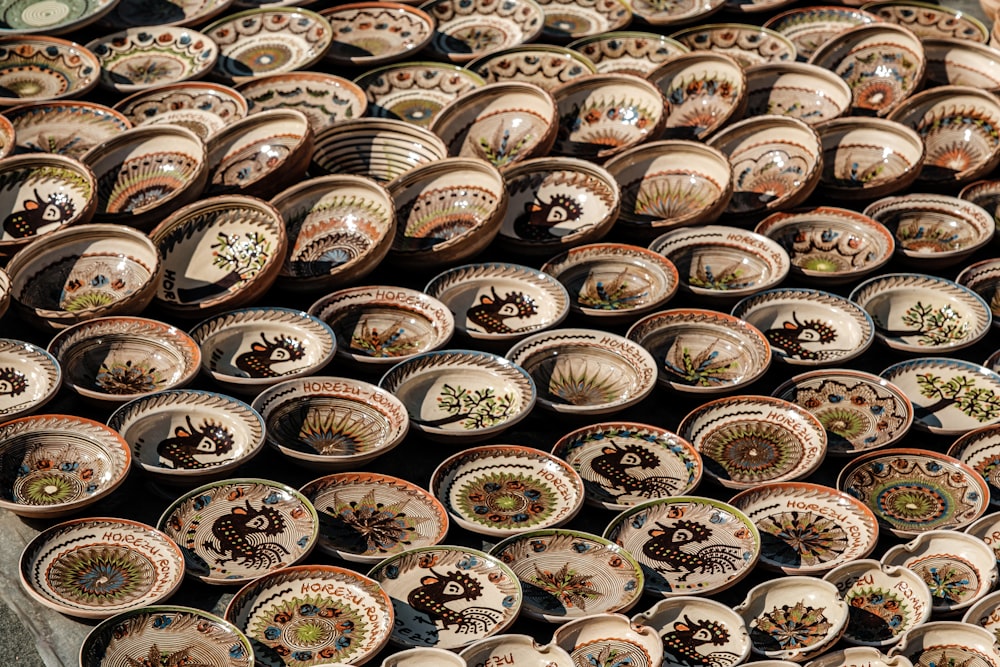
{"x":96,"y":568}
{"x":467,"y":29}
{"x":51,"y":17}
{"x":567,"y":574}
{"x":141,"y":58}
{"x":237,"y":530}
{"x":980,"y":449}
{"x":985,"y":613}
{"x":629,"y":52}
{"x":374,"y":33}
{"x":747,"y":44}
{"x":954,"y":641}
{"x":66,"y":128}
{"x":415,"y":92}
{"x":926,"y":19}
{"x":29,"y":378}
{"x":808,"y":28}
{"x":567,"y":19}
{"x":42,"y":69}
{"x":697,"y":631}
{"x":325,"y":99}
{"x":544,"y":65}
{"x":807,"y":92}
{"x":140,"y":13}
{"x":203,"y":108}
{"x":983,"y":278}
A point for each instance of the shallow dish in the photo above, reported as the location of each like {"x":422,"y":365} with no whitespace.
{"x":673,"y":14}
{"x":325,"y":99}
{"x":521,"y":648}
{"x":141,"y":13}
{"x":65,"y":128}
{"x":983,"y":278}
{"x":415,"y":91}
{"x":947,"y":640}
{"x":42,"y":69}
{"x":544,"y":65}
{"x":378,"y":148}
{"x":628,"y":52}
{"x":668,"y":538}
{"x":929,"y":20}
{"x":980,"y":450}
{"x":30,"y":377}
{"x":467,"y":30}
{"x":55,"y":465}
{"x":985,"y":194}
{"x":99,"y":567}
{"x":461,"y":396}
{"x":609,"y":637}
{"x":375,"y":33}
{"x":798,"y":90}
{"x":567,"y":20}
{"x":913,"y":491}
{"x":717,"y":633}
{"x":203,"y":108}
{"x":959,"y":62}
{"x":140,"y":58}
{"x":745,"y":441}
{"x":313,"y":613}
{"x":366,"y":517}
{"x":746,"y":44}
{"x":703,"y":89}
{"x":809,"y":28}
{"x":51,"y":18}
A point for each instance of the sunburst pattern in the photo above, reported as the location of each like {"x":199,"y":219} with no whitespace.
{"x":102,"y":576}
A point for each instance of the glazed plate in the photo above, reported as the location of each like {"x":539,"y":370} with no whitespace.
{"x":325,"y":99}
{"x":203,"y":108}
{"x":521,"y":649}
{"x":809,"y":28}
{"x":415,"y":92}
{"x":468,"y":29}
{"x":51,"y":17}
{"x":927,"y":20}
{"x":29,"y":378}
{"x":747,"y":44}
{"x":704,"y":91}
{"x":374,"y":33}
{"x":807,"y":92}
{"x":629,"y":52}
{"x":866,"y":158}
{"x":544,"y":65}
{"x":140,"y":13}
{"x":141,"y":58}
{"x":42,"y":69}
{"x":67,"y":128}
{"x":983,"y":278}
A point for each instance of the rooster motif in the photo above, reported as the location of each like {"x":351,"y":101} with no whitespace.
{"x":615,"y":464}
{"x":796,"y":338}
{"x":242,"y":536}
{"x":671,"y":546}
{"x":12,"y":382}
{"x":258,"y":361}
{"x":436,"y":591}
{"x":539,"y":218}
{"x":182,"y":450}
{"x":681,"y":644}
{"x":490,"y":313}
{"x":38,"y":213}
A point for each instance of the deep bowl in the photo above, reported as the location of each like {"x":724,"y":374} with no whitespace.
{"x":703,"y":89}
{"x":379,"y":148}
{"x":30,"y":377}
{"x":959,"y":62}
{"x":325,"y":99}
{"x":203,"y":108}
{"x":798,"y":90}
{"x":67,"y":128}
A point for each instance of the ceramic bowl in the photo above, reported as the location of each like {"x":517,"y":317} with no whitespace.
{"x":466,"y":30}
{"x":544,"y":65}
{"x":927,"y":19}
{"x":140,"y":58}
{"x":585,"y":371}
{"x":30,"y":377}
{"x":919,"y":313}
{"x":859,"y":411}
{"x":140,"y":13}
{"x":668,"y":538}
{"x":461,"y":396}
{"x":809,"y":28}
{"x":310,"y":613}
{"x":268,"y":40}
{"x":377,"y":326}
{"x":415,"y":91}
{"x":868,"y":158}
{"x":661,"y":14}
{"x":260,"y":155}
{"x":496,"y":303}
{"x":237,"y":530}
{"x":52,"y":19}
{"x":218,"y":254}
{"x":203,"y":108}
{"x":325,"y":99}
{"x":366,"y":517}
{"x":703,"y":89}
{"x":96,"y":568}
{"x":881,"y":62}
{"x":777,"y":163}
{"x":829,"y":245}
{"x":807,"y":327}
{"x":447,"y":211}
{"x":175,"y":633}
{"x":147,"y":173}
{"x":723,"y":263}
{"x":913,"y":491}
{"x":331,"y":423}
{"x":483,"y":596}
{"x":609,"y":637}
{"x":978,"y":449}
{"x":375,"y":33}
{"x":985,"y":194}
{"x":566,"y":20}
{"x":983,"y":278}
{"x":746,"y":44}
{"x":807,"y":528}
{"x":884,"y":601}
{"x":79,"y":273}
{"x":501,"y":123}
{"x":42,"y":69}
{"x":798,"y":90}
{"x":628,"y":52}
{"x":984,"y":613}
{"x":340,"y":228}
{"x":698,"y":629}
{"x":521,"y":648}
{"x":611,"y":282}
{"x":959,"y":62}
{"x":67,"y":128}
{"x":947,"y":640}
{"x":602,"y":115}
{"x":504,"y":490}
{"x":811,"y":607}
{"x":566,"y":574}
{"x":425,"y":656}
{"x":703,"y":351}
{"x":40,"y":194}
{"x":380,"y":149}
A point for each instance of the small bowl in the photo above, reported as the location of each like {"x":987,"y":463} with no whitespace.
{"x":809,"y":610}
{"x":501,"y":123}
{"x":830,"y":245}
{"x":203,"y":108}
{"x":663,"y":535}
{"x":628,"y":52}
{"x":130,"y":565}
{"x":746,"y":44}
{"x":447,"y":211}
{"x":885,"y":601}
{"x":504,"y":490}
{"x":36,"y":18}
{"x":859,"y":411}
{"x":380,"y":149}
{"x":218,"y":254}
{"x":377,"y":326}
{"x":703,"y":351}
{"x":868,"y":158}
{"x":114,"y":360}
{"x":723,"y":263}
{"x":978,"y":449}
{"x":467,"y":30}
{"x":366,"y":517}
{"x":919,"y":313}
{"x":260,"y":155}
{"x":141,"y":13}
{"x":79,"y":273}
{"x":331,"y":423}
{"x":602,"y":115}
{"x":948,"y":640}
{"x":146,"y":173}
{"x":415,"y":91}
{"x":704,"y":90}
{"x":531,"y":301}
{"x":349,"y":615}
{"x":881,"y":62}
{"x":985,"y":194}
{"x":718,"y":634}
{"x":809,"y":28}
{"x":42,"y":69}
{"x":376,"y":33}
{"x":544,"y":65}
{"x":983,"y":278}
{"x":64,"y":128}
{"x":585,"y":371}
{"x":523,"y":649}
{"x":461,"y":396}
{"x":984,"y":613}
{"x":959,"y":62}
{"x":173,"y":632}
{"x":141,"y":58}
{"x":913,"y":491}
{"x":797,"y":90}
{"x":325,"y":99}
{"x":566,"y":20}
{"x":268,"y":40}
{"x":929,"y":20}
{"x":807,"y":327}
{"x":30,"y":377}
{"x":777,"y":163}
{"x":237,"y":530}
{"x":606,"y":638}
